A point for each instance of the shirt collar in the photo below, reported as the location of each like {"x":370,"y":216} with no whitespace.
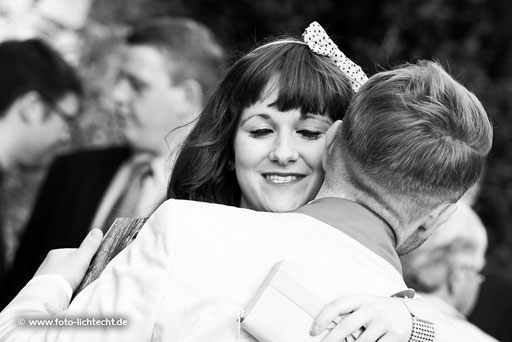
{"x":357,"y":222}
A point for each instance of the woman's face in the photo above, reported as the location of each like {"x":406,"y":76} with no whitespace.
{"x":278,"y":156}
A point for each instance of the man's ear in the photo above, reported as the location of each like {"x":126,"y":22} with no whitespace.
{"x":329,"y":141}
{"x":439,"y":216}
{"x":332,"y":132}
{"x":193,"y":93}
{"x":330,"y":138}
{"x":31,"y":108}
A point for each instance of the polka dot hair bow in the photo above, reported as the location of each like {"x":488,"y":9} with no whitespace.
{"x":319,"y":42}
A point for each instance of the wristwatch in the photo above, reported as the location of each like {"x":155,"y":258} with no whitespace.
{"x":423,"y":329}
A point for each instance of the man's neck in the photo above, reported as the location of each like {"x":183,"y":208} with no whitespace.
{"x":170,"y":144}
{"x":326,"y":192}
{"x":374,"y":203}
{"x":358,"y":222}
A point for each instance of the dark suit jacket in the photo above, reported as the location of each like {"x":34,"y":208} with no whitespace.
{"x":64,"y":210}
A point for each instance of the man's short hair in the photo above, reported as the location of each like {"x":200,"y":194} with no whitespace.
{"x":191,"y":46}
{"x":32,"y":65}
{"x":458,"y":243}
{"x":416,"y":134}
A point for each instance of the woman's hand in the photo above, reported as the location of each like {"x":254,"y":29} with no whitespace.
{"x":385,"y":319}
{"x":72,"y":263}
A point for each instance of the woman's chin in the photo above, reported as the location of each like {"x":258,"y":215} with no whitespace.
{"x":283,"y":207}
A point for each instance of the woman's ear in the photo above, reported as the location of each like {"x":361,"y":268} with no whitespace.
{"x":31,"y":108}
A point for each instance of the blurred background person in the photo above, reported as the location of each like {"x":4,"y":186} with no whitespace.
{"x":493,"y":308}
{"x":167,"y":68}
{"x":446,"y":269}
{"x":67,"y":28}
{"x":39,"y":96}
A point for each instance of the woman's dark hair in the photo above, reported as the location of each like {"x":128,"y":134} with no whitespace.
{"x":306,"y":81}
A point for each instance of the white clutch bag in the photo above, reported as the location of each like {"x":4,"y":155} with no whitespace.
{"x":285,"y":305}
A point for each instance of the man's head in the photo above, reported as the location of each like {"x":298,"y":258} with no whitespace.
{"x":168,"y":67}
{"x":39,"y":95}
{"x":412,"y":142}
{"x":448,"y":264}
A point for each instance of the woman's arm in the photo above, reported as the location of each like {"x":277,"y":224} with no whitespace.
{"x":387,"y":319}
{"x":384,"y":318}
{"x":49,"y":292}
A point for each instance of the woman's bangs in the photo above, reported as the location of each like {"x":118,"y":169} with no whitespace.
{"x":300,"y":89}
{"x":304,"y":81}
{"x":250,"y":84}
{"x":306,"y":85}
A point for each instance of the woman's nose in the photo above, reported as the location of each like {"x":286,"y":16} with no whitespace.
{"x":284,"y":151}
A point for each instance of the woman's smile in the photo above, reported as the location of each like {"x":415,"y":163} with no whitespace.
{"x":275,"y":178}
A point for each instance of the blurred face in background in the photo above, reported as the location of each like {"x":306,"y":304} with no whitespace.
{"x":47,"y":132}
{"x":469,"y":280}
{"x":149,"y":105}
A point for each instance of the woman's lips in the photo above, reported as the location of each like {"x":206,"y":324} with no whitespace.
{"x":282,"y":178}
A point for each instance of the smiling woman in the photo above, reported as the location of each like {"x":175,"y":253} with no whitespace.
{"x":278,"y":155}
{"x":258,"y":142}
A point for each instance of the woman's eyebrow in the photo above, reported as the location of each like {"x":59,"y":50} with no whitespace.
{"x":323,"y":118}
{"x":261,"y":115}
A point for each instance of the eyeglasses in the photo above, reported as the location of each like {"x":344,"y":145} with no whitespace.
{"x":69,"y":118}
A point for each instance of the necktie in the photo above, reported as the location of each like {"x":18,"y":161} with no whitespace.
{"x":126,"y":204}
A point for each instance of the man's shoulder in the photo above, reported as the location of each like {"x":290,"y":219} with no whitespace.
{"x":206,"y":208}
{"x":218,"y":218}
{"x":184,"y":208}
{"x":104,"y":158}
{"x":93,"y":164}
{"x":260,"y":239}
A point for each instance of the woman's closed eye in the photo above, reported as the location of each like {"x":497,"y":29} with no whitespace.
{"x":310,"y":135}
{"x":260,"y":133}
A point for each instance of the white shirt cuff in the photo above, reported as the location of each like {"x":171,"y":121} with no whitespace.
{"x":59,"y":281}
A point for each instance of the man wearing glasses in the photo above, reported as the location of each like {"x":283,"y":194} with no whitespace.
{"x":39,"y":94}
{"x":167,"y":69}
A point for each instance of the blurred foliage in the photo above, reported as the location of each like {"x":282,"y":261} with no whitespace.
{"x":471,"y":38}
